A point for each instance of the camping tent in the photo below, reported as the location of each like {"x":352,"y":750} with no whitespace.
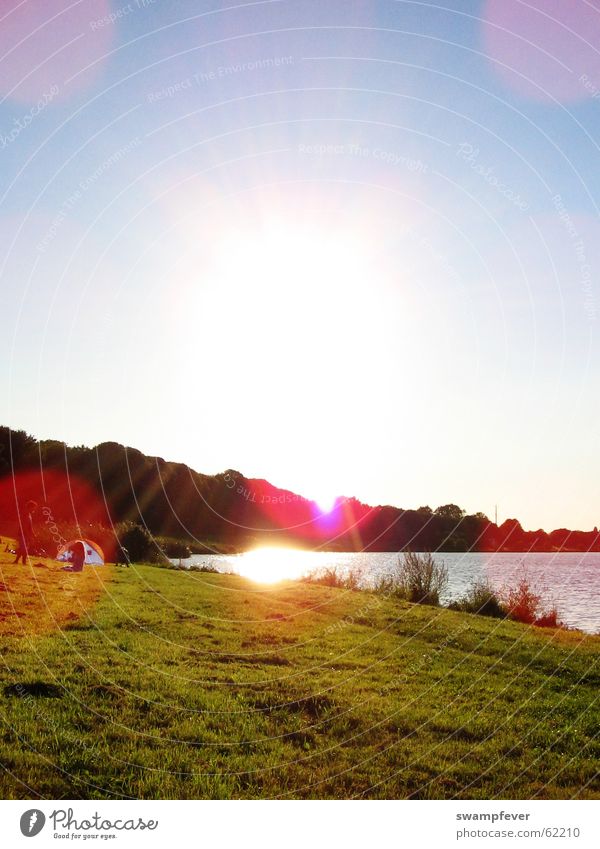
{"x":94,"y":555}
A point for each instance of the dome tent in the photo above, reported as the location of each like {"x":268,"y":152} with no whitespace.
{"x":94,"y":556}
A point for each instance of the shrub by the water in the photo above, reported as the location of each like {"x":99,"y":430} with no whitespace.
{"x":206,"y":567}
{"x":480,"y":598}
{"x":389,"y":586}
{"x":418,"y":579}
{"x":332,"y":576}
{"x":523,"y":604}
{"x":137,"y":541}
{"x":174,"y":548}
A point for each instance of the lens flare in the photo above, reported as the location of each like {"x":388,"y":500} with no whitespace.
{"x":544,"y":50}
{"x":54,"y":49}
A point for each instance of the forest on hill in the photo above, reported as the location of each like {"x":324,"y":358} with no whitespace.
{"x":113,"y":488}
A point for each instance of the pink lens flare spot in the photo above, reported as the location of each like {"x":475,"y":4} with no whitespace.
{"x":52,"y":49}
{"x":326,"y":503}
{"x":545,"y":50}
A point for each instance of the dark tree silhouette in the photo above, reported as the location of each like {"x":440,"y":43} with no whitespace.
{"x":132,"y":492}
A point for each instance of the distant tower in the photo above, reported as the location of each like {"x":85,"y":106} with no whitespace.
{"x":495,"y":514}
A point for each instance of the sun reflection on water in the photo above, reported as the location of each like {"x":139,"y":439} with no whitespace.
{"x":271,"y":564}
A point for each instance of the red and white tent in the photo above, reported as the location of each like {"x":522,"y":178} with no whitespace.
{"x":94,"y":556}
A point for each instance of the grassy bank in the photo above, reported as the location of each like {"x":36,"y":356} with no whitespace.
{"x":147,"y":682}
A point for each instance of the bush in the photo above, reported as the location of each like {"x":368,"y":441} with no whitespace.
{"x":549,"y":619}
{"x":332,"y":576}
{"x":138,"y":543}
{"x":206,"y":567}
{"x":523,"y":604}
{"x":174,"y":548}
{"x":480,"y":598}
{"x":419,"y":579}
{"x":389,"y":586}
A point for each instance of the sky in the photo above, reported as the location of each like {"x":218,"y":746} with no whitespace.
{"x":349,"y":247}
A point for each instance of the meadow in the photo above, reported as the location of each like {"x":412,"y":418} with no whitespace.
{"x":155,"y":683}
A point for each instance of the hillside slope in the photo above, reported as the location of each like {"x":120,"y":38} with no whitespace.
{"x":157,"y":683}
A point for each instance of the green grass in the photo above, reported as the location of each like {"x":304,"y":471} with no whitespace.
{"x":154,"y":683}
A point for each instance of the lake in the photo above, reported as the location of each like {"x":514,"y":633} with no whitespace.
{"x":569,"y":581}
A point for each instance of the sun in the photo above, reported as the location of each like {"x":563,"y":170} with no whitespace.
{"x":326,"y":502}
{"x":297,"y":301}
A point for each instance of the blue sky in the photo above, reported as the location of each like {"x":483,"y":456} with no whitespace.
{"x":351,"y":247}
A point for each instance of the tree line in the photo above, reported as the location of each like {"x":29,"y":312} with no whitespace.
{"x":110,"y":490}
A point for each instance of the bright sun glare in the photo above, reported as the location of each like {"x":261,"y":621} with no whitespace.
{"x":295,"y":294}
{"x":325,"y":502}
{"x":298,"y":304}
{"x":270,"y":564}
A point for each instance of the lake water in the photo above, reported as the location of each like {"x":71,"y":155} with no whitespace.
{"x":571,"y":582}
